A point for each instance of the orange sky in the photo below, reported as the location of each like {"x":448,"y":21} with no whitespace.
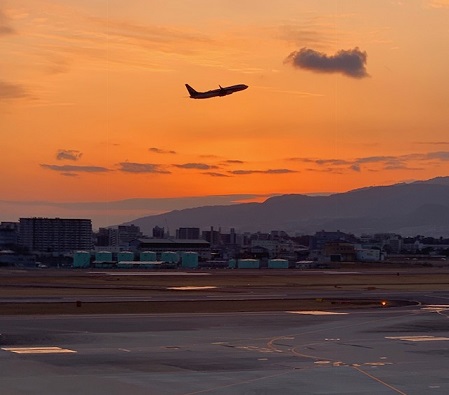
{"x":93,"y":106}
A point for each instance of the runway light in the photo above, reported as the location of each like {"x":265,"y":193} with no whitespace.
{"x":383,"y":303}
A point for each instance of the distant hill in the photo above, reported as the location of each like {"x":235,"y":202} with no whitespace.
{"x":420,"y":207}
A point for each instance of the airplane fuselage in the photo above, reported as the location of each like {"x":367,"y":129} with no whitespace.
{"x":222,"y":91}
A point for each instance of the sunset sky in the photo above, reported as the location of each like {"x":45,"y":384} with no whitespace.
{"x":96,"y":122}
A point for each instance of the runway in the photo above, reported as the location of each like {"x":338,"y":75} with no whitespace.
{"x":378,"y":351}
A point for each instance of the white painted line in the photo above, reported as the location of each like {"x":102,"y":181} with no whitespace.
{"x":192,"y":288}
{"x":150,"y":273}
{"x":436,"y":307}
{"x":418,"y":338}
{"x":337,"y":272}
{"x":38,"y":350}
{"x":316,"y":312}
{"x":440,"y":306}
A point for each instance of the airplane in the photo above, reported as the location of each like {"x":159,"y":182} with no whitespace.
{"x":223,"y":91}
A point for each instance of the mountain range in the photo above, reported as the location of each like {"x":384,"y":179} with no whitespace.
{"x":409,"y":209}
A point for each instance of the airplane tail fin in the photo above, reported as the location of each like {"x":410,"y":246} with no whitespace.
{"x":192,"y":91}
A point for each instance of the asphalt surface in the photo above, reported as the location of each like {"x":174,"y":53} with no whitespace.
{"x":379,"y":351}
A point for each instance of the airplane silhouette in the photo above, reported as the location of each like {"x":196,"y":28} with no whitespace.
{"x":222,"y":91}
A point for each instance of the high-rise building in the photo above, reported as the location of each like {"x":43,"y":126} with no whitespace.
{"x":9,"y":232}
{"x":120,"y":236}
{"x":55,"y":234}
{"x":188,"y":233}
{"x":158,"y":232}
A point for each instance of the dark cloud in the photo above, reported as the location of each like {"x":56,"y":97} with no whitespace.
{"x":269,"y":171}
{"x":197,"y":166}
{"x":441,"y":155}
{"x":75,"y":169}
{"x":332,"y":162}
{"x":385,"y":162}
{"x":69,"y":174}
{"x":70,"y":154}
{"x":213,"y":174}
{"x":130,"y":167}
{"x":161,"y":151}
{"x":209,"y":156}
{"x":233,"y":162}
{"x":348,"y":62}
{"x":326,"y":170}
{"x":12,"y":91}
{"x":5,"y":27}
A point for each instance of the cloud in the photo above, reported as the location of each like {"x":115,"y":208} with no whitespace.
{"x":131,"y":167}
{"x":160,"y":151}
{"x":355,"y":167}
{"x":69,"y":174}
{"x":75,"y":169}
{"x":197,"y":166}
{"x":12,"y":91}
{"x":233,"y":162}
{"x":384,"y":162}
{"x":269,"y":171}
{"x":311,"y":34}
{"x":5,"y":28}
{"x":68,"y":155}
{"x":441,"y":155}
{"x":348,"y":62}
{"x":214,"y":174}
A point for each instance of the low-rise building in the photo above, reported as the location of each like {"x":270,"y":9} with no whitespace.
{"x":202,"y":247}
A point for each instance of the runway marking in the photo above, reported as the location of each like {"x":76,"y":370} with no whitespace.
{"x":38,"y":350}
{"x":332,"y":272}
{"x":378,"y":380}
{"x":192,"y":288}
{"x":254,"y":348}
{"x":377,"y":363}
{"x":124,"y":350}
{"x":150,"y":273}
{"x":436,"y":307}
{"x":418,"y":338}
{"x":316,"y":312}
{"x":239,"y":383}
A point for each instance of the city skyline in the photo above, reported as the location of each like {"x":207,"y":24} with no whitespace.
{"x":98,"y":124}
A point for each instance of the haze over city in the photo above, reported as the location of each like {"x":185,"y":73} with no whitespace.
{"x":97,"y":123}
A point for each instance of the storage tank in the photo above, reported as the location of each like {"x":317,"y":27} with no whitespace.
{"x":248,"y":264}
{"x":125,"y":256}
{"x":81,"y":259}
{"x":278,"y":264}
{"x":189,"y":260}
{"x":148,"y":256}
{"x":232,"y":264}
{"x":103,"y":256}
{"x":169,"y":257}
